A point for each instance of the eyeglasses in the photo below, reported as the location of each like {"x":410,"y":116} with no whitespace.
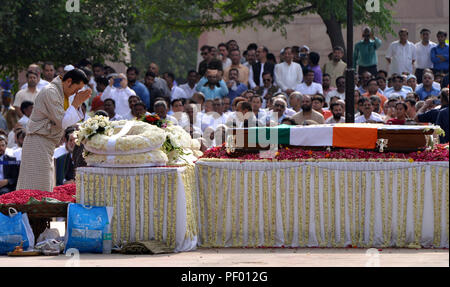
{"x":279,"y":106}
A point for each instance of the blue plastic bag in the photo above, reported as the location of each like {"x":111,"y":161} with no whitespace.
{"x":86,"y":226}
{"x":14,"y":229}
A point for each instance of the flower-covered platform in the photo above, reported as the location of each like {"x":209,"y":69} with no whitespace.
{"x":149,"y":203}
{"x":340,"y":198}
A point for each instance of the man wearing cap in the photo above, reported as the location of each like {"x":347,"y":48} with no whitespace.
{"x":51,"y":115}
{"x":411,"y":81}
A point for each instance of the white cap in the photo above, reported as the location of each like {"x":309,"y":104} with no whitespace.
{"x":305,"y":47}
{"x":411,"y":77}
{"x":68,"y":68}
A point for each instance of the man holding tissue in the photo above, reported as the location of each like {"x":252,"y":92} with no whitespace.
{"x":51,"y":115}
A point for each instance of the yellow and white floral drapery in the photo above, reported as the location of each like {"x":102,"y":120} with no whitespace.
{"x":149,"y":203}
{"x":325,"y":204}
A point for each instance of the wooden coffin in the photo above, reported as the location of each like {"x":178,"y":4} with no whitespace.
{"x":398,"y":140}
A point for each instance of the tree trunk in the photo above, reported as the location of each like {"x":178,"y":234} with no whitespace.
{"x":334,"y":31}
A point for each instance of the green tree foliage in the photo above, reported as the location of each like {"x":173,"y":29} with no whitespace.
{"x":43,"y":30}
{"x":175,"y":52}
{"x":204,"y":15}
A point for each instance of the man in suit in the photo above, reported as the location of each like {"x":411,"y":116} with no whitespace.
{"x":65,"y":168}
{"x":9,"y":171}
{"x":258,"y":69}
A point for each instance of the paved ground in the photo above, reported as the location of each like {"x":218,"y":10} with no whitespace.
{"x":234,"y":257}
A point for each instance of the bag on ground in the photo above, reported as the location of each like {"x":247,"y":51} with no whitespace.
{"x":86,"y":226}
{"x":15,"y":228}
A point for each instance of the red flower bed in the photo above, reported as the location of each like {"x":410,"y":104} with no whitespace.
{"x":65,"y":193}
{"x":440,"y":153}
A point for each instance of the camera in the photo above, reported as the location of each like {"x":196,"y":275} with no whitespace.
{"x":117,"y":82}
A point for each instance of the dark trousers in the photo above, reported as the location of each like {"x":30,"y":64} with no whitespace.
{"x":371,"y":69}
{"x":4,"y":190}
{"x":436,"y":71}
{"x":419,"y":75}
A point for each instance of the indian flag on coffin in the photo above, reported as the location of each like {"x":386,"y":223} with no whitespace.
{"x":358,"y":136}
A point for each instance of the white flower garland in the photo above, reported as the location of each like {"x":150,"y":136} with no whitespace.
{"x":152,"y":158}
{"x":97,"y":125}
{"x":141,"y":137}
{"x":187,"y":149}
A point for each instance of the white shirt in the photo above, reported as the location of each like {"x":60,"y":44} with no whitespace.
{"x":401,"y":57}
{"x":24,"y":95}
{"x":222,"y":120}
{"x":187,"y":90}
{"x":59,"y":151}
{"x":128,"y":116}
{"x":403,"y":92}
{"x":423,"y":55}
{"x":42,"y":83}
{"x":288,"y":76}
{"x":312,"y":89}
{"x":182,"y":119}
{"x":172,"y":119}
{"x":274,"y":116}
{"x":120,"y":96}
{"x":374,"y":117}
{"x":177,"y":93}
{"x":11,"y":139}
{"x":226,"y":64}
{"x":202,"y":121}
{"x":117,"y":118}
{"x":10,"y":151}
{"x":289,"y":112}
{"x":72,"y":116}
{"x":94,"y":84}
{"x":24,"y":121}
{"x":18,"y":154}
{"x":334,"y":93}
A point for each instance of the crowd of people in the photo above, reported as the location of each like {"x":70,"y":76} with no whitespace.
{"x":233,"y":87}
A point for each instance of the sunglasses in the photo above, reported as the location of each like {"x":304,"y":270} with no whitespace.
{"x":203,"y":54}
{"x":267,"y":80}
{"x":279,"y":106}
